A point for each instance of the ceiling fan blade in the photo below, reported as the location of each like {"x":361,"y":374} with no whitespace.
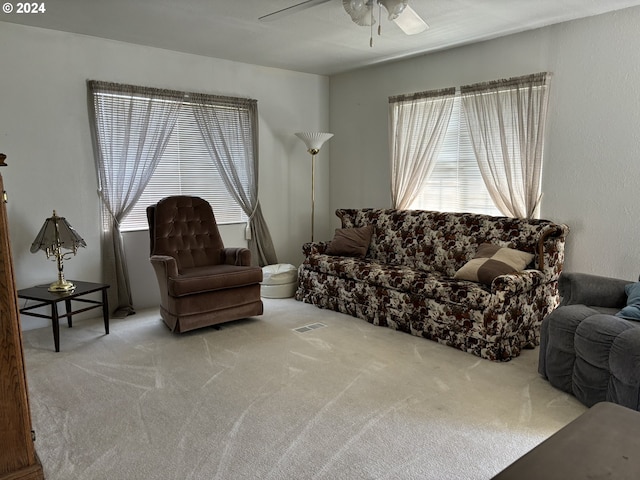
{"x":410,"y":22}
{"x":292,"y":9}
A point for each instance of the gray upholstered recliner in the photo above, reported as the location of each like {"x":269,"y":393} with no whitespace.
{"x":586,"y":350}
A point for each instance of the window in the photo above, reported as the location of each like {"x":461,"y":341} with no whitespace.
{"x":185,"y":166}
{"x":478,"y":150}
{"x":455,"y":184}
{"x":186,"y":169}
{"x":144,"y":142}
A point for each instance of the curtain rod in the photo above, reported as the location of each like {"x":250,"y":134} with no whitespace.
{"x":161,"y":92}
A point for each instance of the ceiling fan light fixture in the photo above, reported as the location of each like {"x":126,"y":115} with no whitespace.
{"x":410,"y":22}
{"x":359,"y":11}
{"x":394,"y":7}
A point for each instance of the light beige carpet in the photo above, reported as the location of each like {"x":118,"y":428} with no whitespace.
{"x":258,"y":400}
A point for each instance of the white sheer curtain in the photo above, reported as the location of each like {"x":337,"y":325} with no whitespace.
{"x":507,"y":120}
{"x":417,"y":127}
{"x":233,"y":147}
{"x":130,"y":127}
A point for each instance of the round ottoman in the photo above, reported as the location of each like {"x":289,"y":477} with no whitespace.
{"x":279,"y":281}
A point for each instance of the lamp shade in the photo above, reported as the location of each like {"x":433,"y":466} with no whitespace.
{"x":394,"y":7}
{"x":314,"y":140}
{"x":410,"y":22}
{"x":56,"y":232}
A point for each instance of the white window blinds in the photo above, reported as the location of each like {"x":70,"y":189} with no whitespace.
{"x":185,"y":167}
{"x":490,"y":160}
{"x":455,"y":184}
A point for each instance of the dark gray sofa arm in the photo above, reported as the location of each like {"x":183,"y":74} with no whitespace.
{"x":592,"y":290}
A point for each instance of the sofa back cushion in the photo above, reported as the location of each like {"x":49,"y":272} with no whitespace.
{"x":441,"y":241}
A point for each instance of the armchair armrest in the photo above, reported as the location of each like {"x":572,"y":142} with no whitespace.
{"x":592,"y":290}
{"x":239,"y":256}
{"x":313,"y":248}
{"x":164,"y":264}
{"x":165,"y":267}
{"x":517,"y":282}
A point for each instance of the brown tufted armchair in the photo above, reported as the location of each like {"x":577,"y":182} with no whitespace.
{"x":201,"y":282}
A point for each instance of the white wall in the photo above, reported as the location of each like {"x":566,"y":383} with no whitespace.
{"x":592,"y":156}
{"x":45,"y":134}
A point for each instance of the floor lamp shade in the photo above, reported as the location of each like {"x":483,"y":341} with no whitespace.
{"x":313,"y":141}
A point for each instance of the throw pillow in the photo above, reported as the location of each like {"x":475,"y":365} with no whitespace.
{"x":350,"y":242}
{"x":632,"y":310}
{"x":491,"y":261}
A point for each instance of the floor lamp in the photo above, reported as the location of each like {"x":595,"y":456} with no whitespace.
{"x":313,"y":141}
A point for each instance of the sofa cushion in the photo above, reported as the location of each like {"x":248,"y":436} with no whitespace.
{"x":491,"y":261}
{"x":448,"y":290}
{"x":351,"y":242}
{"x":594,"y":340}
{"x":397,"y":277}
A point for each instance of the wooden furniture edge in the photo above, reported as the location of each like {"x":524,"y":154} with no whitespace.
{"x":32,"y":472}
{"x":18,"y":459}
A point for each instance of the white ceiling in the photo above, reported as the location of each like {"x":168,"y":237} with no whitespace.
{"x":320,"y":40}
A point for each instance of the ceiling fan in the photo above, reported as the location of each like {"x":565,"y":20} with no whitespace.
{"x":362,"y":12}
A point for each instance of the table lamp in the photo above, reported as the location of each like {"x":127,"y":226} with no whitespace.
{"x":56,"y":234}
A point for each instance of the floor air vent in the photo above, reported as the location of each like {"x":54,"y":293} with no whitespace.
{"x":308,"y":328}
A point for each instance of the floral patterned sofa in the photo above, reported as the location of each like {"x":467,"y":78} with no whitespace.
{"x":406,"y":279}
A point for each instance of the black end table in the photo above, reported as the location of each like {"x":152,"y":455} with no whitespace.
{"x":42,"y":295}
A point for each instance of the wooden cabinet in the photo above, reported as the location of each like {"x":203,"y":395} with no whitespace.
{"x":18,"y":459}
